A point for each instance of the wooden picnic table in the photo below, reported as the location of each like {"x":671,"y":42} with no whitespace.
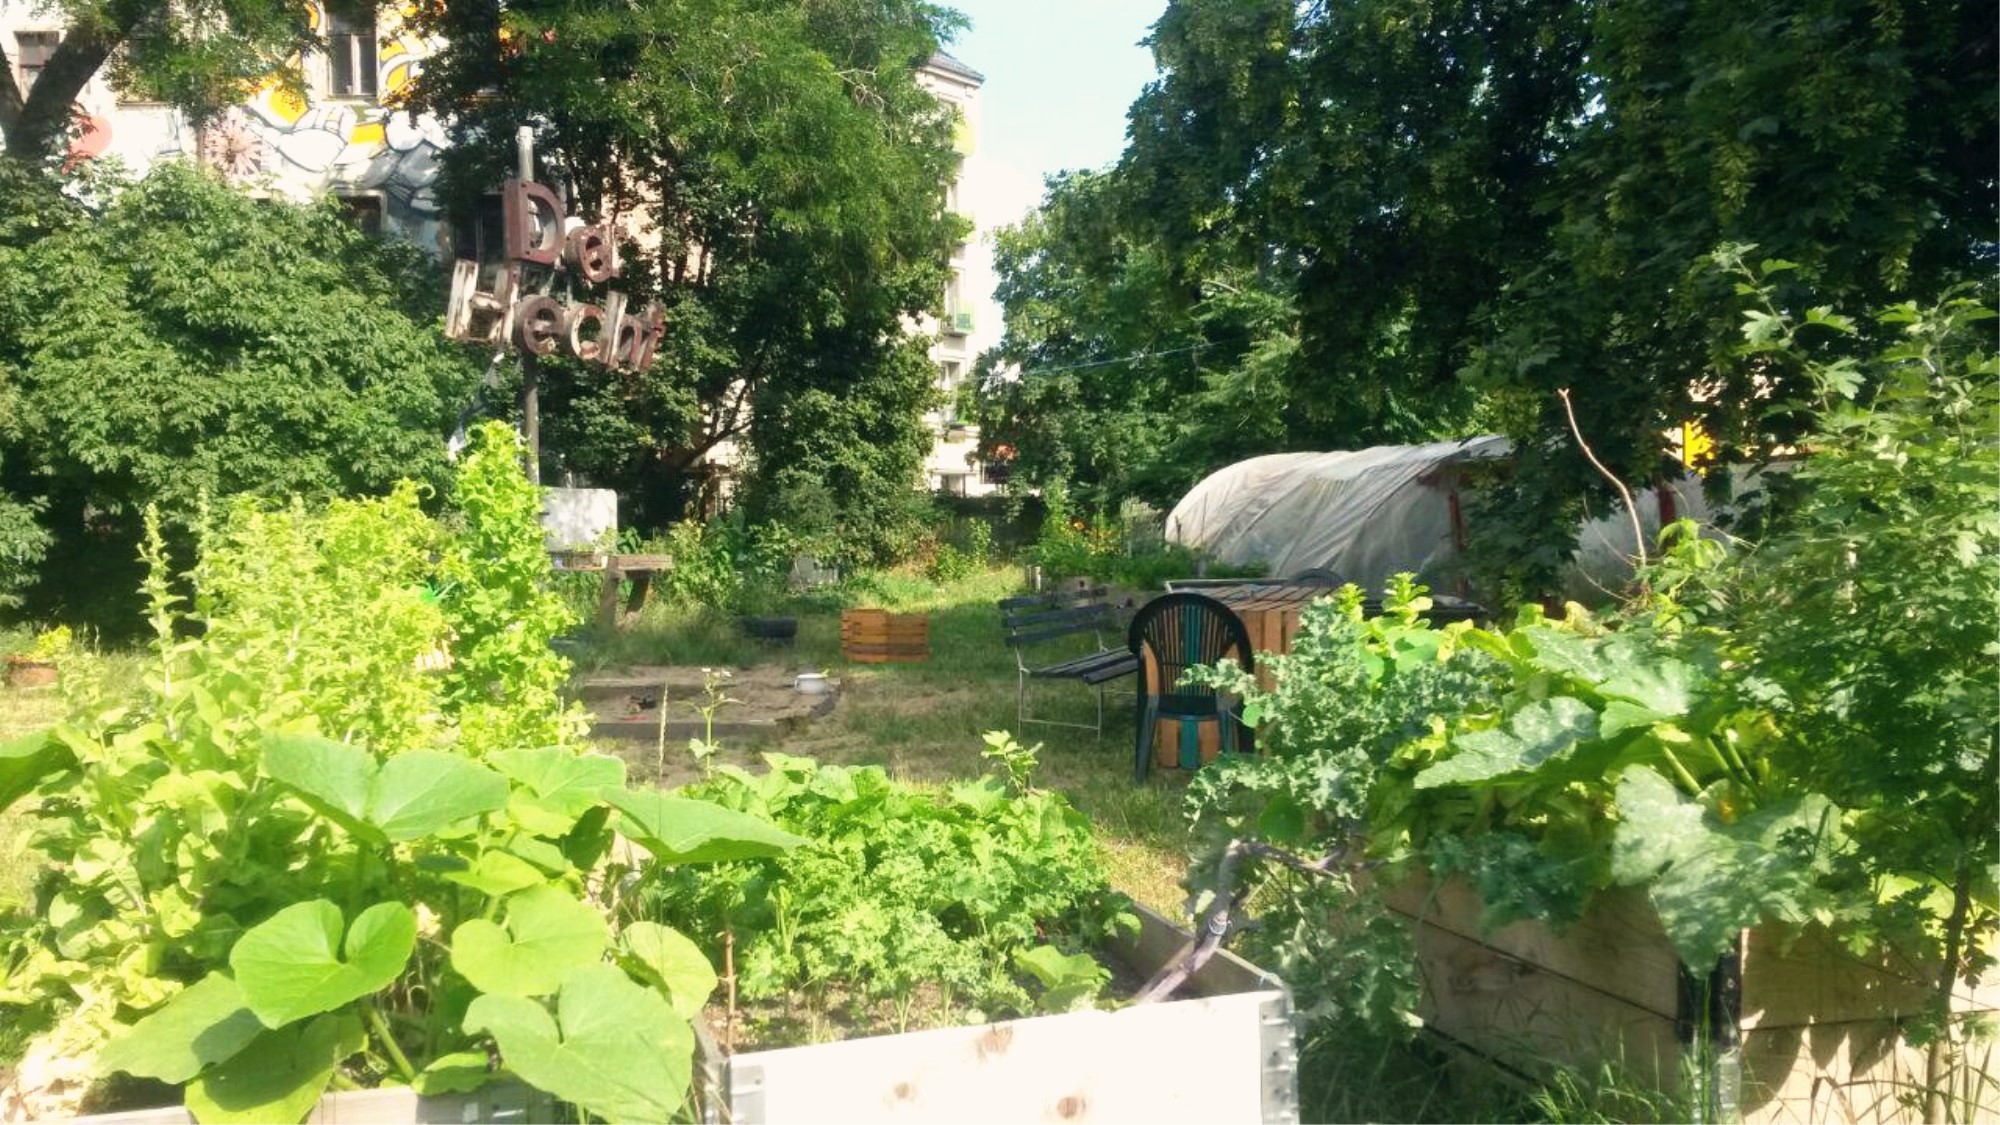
{"x":639,"y":568}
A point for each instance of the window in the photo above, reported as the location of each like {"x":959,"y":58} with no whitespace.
{"x":32,"y":50}
{"x":948,"y":375}
{"x":364,"y":210}
{"x":479,"y":233}
{"x":350,"y":45}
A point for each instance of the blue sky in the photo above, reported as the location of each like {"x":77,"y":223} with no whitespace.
{"x":1059,"y":76}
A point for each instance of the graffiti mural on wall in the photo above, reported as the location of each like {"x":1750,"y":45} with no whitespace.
{"x":305,"y":144}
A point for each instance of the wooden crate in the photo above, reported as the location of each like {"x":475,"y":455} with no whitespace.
{"x":876,"y":636}
{"x":1803,"y":1032}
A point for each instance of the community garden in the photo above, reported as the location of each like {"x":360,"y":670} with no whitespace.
{"x":328,"y":787}
{"x":341,"y":822}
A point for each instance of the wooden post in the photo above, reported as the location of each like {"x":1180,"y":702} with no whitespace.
{"x":531,"y":376}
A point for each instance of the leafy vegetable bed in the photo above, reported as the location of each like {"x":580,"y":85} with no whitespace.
{"x":908,"y":908}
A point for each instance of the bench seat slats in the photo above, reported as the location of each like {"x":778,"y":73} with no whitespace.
{"x":1093,"y":668}
{"x":1019,"y":638}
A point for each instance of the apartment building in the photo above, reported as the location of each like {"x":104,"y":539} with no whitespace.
{"x":971,"y":322}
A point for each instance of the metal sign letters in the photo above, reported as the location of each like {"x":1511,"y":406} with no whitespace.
{"x":522,"y":312}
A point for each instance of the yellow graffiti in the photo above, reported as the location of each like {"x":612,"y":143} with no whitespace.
{"x":287,"y":105}
{"x":369,"y":134}
{"x":1697,"y":447}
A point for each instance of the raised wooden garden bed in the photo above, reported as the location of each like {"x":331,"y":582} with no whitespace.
{"x":1226,"y":1054}
{"x":1790,"y":1032}
{"x":876,"y":636}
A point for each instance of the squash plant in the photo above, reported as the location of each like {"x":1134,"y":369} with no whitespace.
{"x":239,"y":903}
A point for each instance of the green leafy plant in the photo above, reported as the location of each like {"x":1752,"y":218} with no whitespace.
{"x":505,"y":681}
{"x":232,"y":901}
{"x":51,"y":644}
{"x":900,"y":893}
{"x":1796,"y":733}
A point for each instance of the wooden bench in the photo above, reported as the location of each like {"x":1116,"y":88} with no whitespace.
{"x":1034,"y":621}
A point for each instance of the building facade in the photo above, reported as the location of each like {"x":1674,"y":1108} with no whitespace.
{"x":339,"y":136}
{"x":971,"y":322}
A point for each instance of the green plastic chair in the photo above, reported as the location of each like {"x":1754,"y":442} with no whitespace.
{"x":1183,"y":630}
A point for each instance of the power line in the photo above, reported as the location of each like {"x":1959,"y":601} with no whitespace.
{"x":1109,"y":362}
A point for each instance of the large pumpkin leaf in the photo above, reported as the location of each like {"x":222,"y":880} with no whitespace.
{"x":614,"y":1048}
{"x":206,"y":1023}
{"x":665,"y":958}
{"x":563,"y":780}
{"x":279,"y":1076}
{"x":1709,"y":878}
{"x":681,"y":830}
{"x":25,"y":761}
{"x":548,"y":935}
{"x":1544,"y":731}
{"x":411,"y":796}
{"x":292,"y":964}
{"x":1659,"y":683}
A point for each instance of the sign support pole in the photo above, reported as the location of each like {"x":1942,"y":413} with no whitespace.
{"x":531,"y":376}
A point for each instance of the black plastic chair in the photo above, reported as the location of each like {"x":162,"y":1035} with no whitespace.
{"x":1183,"y":630}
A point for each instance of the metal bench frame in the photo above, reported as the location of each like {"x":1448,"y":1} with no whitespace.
{"x":1035,"y":618}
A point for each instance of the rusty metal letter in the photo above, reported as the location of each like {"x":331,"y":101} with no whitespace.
{"x":580,"y":347}
{"x":538,"y":323}
{"x":593,"y":253}
{"x":521,"y":202}
{"x":475,"y":314}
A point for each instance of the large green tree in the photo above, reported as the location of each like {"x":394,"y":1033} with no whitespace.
{"x":184,"y":340}
{"x":200,"y":56}
{"x":1121,"y":375}
{"x":787,"y":171}
{"x":1476,"y":203}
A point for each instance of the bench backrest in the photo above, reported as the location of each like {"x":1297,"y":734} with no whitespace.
{"x":1033,"y":618}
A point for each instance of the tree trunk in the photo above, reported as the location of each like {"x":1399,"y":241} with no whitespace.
{"x":33,"y":122}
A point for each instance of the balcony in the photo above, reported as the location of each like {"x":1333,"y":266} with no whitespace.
{"x":958,"y":323}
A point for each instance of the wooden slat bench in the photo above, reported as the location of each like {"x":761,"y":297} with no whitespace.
{"x":1035,"y":620}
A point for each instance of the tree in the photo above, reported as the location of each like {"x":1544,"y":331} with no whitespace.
{"x":1475,"y":203}
{"x":200,"y":56}
{"x":185,"y":341}
{"x":789,"y":173}
{"x":1117,"y":377}
{"x":1385,"y":155}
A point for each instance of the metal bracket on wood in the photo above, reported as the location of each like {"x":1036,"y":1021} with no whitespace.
{"x":1709,"y":1023}
{"x":1279,"y":1049}
{"x":746,"y":1092}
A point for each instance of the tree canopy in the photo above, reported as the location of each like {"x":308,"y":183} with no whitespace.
{"x":184,"y":340}
{"x":788,"y":172}
{"x":1473,"y":203}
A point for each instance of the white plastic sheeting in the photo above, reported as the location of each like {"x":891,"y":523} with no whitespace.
{"x":1369,"y":514}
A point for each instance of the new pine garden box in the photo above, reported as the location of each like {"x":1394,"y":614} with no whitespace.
{"x":1226,"y":1054}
